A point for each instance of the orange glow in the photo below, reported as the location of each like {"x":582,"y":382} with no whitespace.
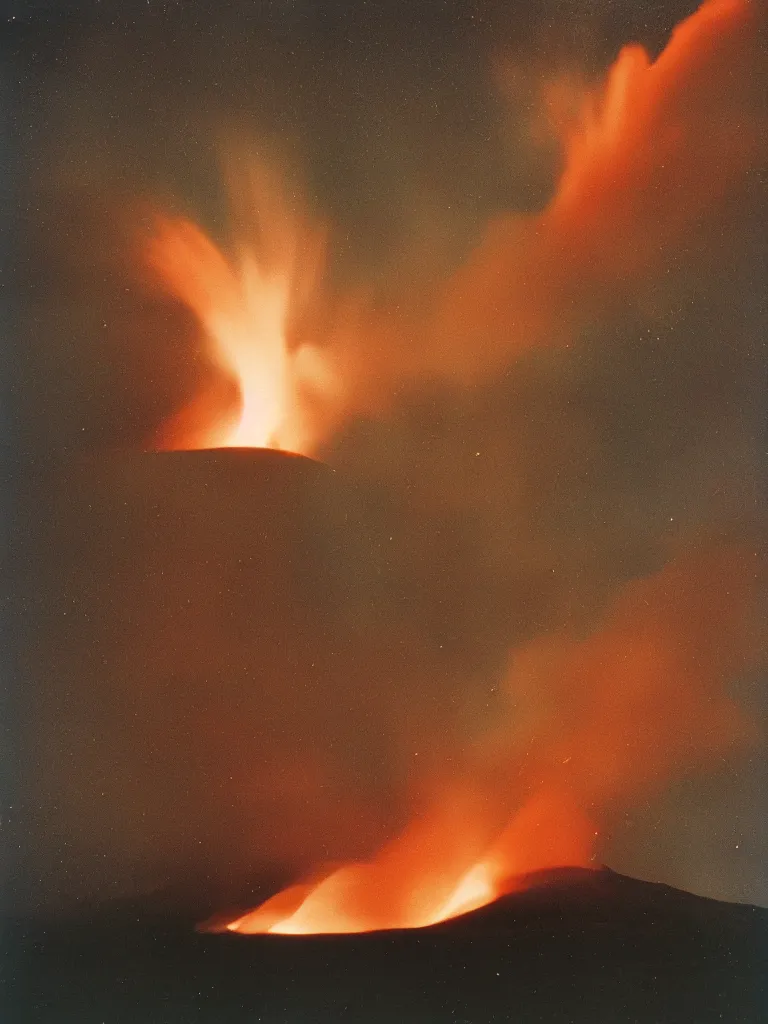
{"x":248,"y":306}
{"x":647,"y":158}
{"x":652,"y":155}
{"x":640,"y":698}
{"x":432,"y":871}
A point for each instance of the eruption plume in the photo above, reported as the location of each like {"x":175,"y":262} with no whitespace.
{"x":643,"y":695}
{"x":248,"y":305}
{"x":660,"y":146}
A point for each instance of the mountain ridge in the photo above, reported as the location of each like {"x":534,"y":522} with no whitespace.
{"x":575,"y":946}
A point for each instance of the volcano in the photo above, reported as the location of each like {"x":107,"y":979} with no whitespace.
{"x":575,"y":946}
{"x":305,"y":744}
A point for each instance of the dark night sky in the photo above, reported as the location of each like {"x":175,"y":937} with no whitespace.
{"x":601,"y":464}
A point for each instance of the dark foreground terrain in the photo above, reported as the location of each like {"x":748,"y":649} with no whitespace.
{"x":579,"y":946}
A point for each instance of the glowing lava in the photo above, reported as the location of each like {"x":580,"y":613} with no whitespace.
{"x":248,"y":306}
{"x":432,"y":871}
{"x":634,"y":702}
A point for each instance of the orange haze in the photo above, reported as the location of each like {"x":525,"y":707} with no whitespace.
{"x":592,"y":723}
{"x":655,"y":151}
{"x":247,"y":304}
{"x":652,"y":153}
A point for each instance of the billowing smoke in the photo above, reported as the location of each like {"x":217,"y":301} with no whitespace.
{"x":591,"y":725}
{"x":662,"y":146}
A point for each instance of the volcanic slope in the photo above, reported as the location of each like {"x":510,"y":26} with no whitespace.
{"x":575,"y":946}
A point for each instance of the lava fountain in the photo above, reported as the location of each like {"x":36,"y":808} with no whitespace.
{"x":248,"y":305}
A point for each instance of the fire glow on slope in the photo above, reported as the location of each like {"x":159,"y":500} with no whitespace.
{"x":639,"y":699}
{"x":445,"y":863}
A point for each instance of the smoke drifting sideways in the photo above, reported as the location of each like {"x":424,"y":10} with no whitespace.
{"x":660,"y":147}
{"x":568,"y":426}
{"x":591,"y":724}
